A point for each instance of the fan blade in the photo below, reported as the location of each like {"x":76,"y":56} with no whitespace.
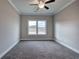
{"x":50,"y":1}
{"x":37,"y":9}
{"x":33,"y":4}
{"x":46,"y":7}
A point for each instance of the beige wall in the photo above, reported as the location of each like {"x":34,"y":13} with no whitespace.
{"x":67,"y":26}
{"x":24,"y":26}
{"x":9,"y":27}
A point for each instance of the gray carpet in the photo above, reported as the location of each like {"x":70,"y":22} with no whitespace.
{"x":40,"y":50}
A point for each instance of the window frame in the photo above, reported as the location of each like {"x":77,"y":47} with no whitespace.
{"x":37,"y":27}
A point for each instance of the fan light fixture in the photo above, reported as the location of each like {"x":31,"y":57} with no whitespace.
{"x":41,"y":4}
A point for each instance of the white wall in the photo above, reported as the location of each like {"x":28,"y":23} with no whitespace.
{"x":24,"y":27}
{"x":9,"y":26}
{"x":67,"y":26}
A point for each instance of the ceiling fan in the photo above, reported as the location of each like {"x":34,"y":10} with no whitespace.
{"x":42,"y":3}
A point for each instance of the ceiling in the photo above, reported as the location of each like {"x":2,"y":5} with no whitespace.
{"x":25,"y":9}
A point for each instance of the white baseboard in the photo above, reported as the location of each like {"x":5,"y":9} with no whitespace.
{"x":73,"y":49}
{"x":37,"y":39}
{"x":8,"y":49}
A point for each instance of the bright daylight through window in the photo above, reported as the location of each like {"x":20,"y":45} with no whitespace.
{"x":37,"y":27}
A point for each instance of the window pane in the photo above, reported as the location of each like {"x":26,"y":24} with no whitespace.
{"x":31,"y":27}
{"x":42,"y":27}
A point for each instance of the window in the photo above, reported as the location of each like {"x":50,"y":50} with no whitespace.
{"x":37,"y":27}
{"x":31,"y":27}
{"x":41,"y":27}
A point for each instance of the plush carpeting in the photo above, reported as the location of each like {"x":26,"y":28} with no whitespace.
{"x":40,"y":50}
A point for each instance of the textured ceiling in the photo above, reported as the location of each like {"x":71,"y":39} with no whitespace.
{"x":25,"y":9}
